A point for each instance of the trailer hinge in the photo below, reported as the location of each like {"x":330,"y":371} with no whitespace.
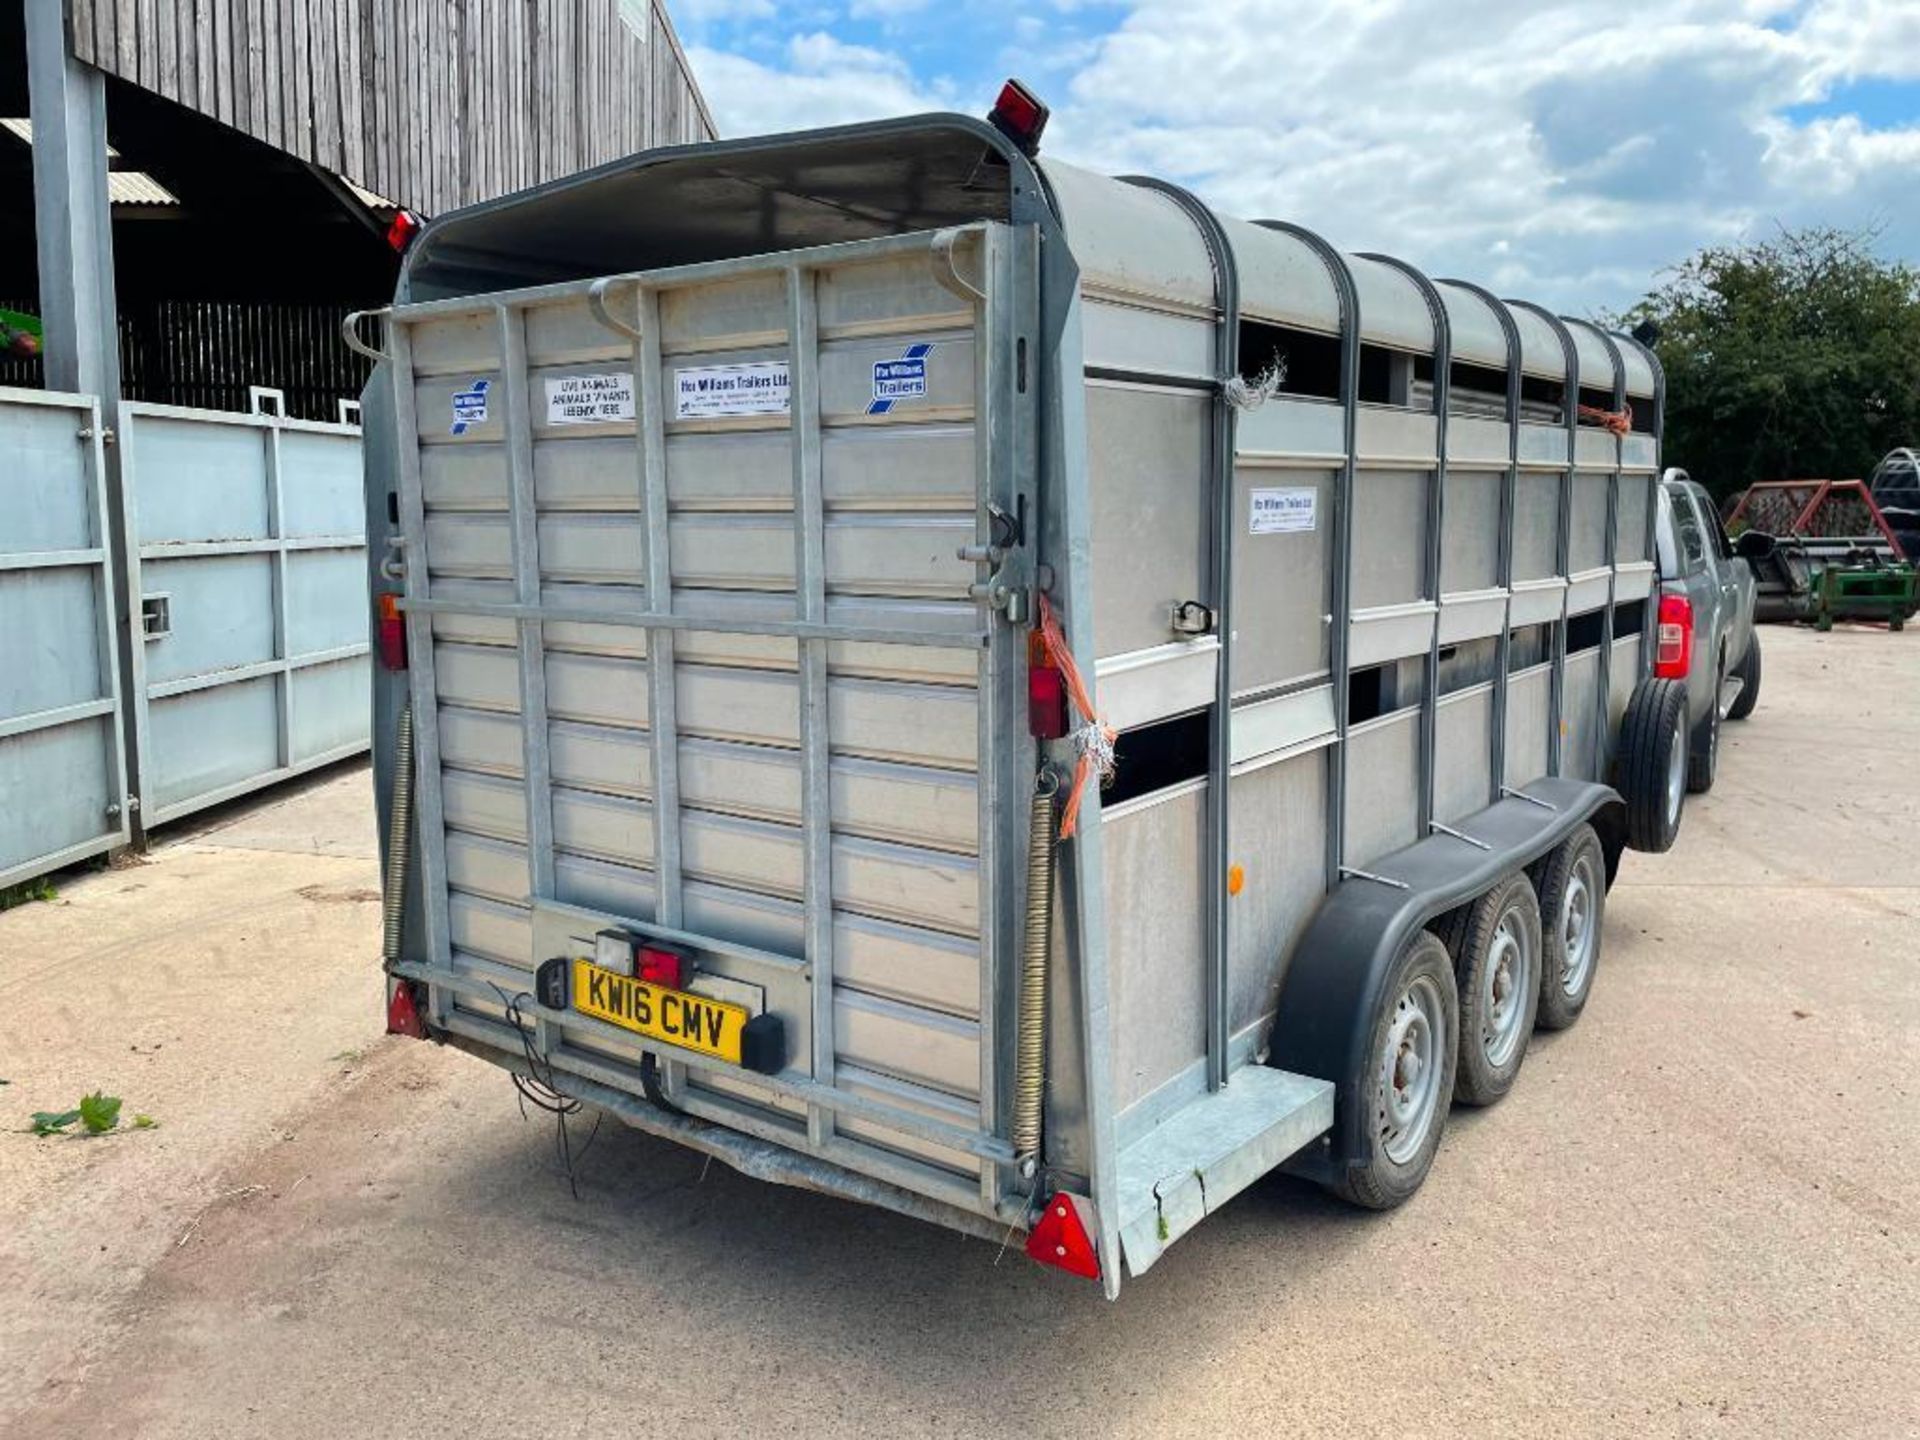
{"x":1015,"y":601}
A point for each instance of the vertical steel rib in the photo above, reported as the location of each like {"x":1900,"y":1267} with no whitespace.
{"x":1557,"y":685}
{"x":1604,"y":682}
{"x":106,"y":631}
{"x":1341,"y":551}
{"x":524,"y":534}
{"x":809,"y":528}
{"x":429,"y":808}
{"x":656,"y":563}
{"x":1645,"y":667}
{"x":277,"y":557}
{"x":1002,"y":444}
{"x":1436,"y":520}
{"x":1503,"y":563}
{"x":1221,"y":511}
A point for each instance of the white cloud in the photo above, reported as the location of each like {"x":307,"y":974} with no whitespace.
{"x":1562,"y":150}
{"x":1552,"y":149}
{"x":700,"y":12}
{"x":823,"y":81}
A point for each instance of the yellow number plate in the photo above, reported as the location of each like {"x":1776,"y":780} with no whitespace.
{"x":678,"y":1017}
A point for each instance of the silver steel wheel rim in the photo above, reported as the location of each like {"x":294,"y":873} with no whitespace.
{"x":1505,"y":981}
{"x":1409,"y":1065}
{"x":1677,"y":774}
{"x":1577,"y":930}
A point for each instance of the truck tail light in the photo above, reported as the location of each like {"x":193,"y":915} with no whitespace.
{"x":1063,"y":1236}
{"x":1019,"y":115}
{"x":1673,"y":638}
{"x":1046,"y":693}
{"x":393,"y":633}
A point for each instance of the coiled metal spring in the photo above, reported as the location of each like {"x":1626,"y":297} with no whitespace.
{"x":1030,"y":1052}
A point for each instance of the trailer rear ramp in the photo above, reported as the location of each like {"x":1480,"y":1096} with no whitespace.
{"x":782,"y":532}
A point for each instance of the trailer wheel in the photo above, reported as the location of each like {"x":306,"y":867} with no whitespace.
{"x":1653,"y":763}
{"x":1406,"y":1074}
{"x":1497,"y":961}
{"x":1573,"y":905}
{"x":1749,"y":673}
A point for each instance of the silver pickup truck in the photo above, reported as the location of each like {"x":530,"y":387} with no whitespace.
{"x":1706,"y":634}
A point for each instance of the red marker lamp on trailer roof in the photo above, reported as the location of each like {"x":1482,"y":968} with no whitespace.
{"x":1019,"y":115}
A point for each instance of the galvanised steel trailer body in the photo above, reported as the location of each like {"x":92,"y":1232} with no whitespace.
{"x":723,"y":490}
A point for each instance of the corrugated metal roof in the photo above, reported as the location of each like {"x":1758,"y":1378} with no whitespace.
{"x":124,"y":187}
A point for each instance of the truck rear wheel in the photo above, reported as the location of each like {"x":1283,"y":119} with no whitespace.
{"x":1749,"y":672}
{"x":1573,"y":905}
{"x":1653,"y":763}
{"x":1497,"y":963}
{"x":1405,"y":1077}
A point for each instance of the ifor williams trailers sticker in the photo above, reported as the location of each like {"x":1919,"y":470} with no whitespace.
{"x":1283,"y":512}
{"x":757,"y":388}
{"x":902,"y":379}
{"x":470,"y":407}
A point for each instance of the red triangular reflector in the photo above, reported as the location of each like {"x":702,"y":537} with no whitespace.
{"x":1063,"y":1236}
{"x":403,"y":1016}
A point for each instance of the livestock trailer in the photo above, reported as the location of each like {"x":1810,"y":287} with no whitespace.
{"x":994,"y":691}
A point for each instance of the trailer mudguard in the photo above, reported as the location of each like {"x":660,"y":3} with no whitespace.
{"x":1328,"y":997}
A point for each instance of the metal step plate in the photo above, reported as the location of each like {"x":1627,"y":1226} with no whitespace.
{"x":1730,"y":689}
{"x":1211,"y":1149}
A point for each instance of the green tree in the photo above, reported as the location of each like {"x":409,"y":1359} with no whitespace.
{"x":1788,"y":358}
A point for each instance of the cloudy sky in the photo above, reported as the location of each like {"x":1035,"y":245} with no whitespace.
{"x":1557,"y":150}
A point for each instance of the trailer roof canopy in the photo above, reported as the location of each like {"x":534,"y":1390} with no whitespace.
{"x":1132,"y":242}
{"x":722,"y":200}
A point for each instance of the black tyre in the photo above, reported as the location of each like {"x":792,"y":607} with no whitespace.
{"x":1405,"y":1077}
{"x":1496,"y":951}
{"x":1573,"y":907}
{"x":1703,"y":758}
{"x":1653,"y":763}
{"x":1749,"y":672}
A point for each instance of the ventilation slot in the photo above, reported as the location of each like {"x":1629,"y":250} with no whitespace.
{"x":1530,"y":645}
{"x":1153,"y":757}
{"x":1311,"y":362}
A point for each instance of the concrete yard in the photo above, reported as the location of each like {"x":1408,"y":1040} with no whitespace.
{"x":1697,"y":1214}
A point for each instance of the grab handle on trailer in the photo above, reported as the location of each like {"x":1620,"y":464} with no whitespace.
{"x":944,"y":268}
{"x":597,"y":303}
{"x":350,"y":332}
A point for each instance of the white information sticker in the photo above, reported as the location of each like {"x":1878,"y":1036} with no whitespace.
{"x":589,"y":399}
{"x":1283,"y":512}
{"x":756,"y":388}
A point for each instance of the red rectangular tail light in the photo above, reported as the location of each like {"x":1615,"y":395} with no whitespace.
{"x":1019,"y":115}
{"x":1673,"y":638}
{"x":1046,"y":693}
{"x":393,"y":633}
{"x":400,"y":234}
{"x":661,"y":965}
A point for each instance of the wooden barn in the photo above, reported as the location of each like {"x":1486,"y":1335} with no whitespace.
{"x":211,"y":180}
{"x":193,"y":195}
